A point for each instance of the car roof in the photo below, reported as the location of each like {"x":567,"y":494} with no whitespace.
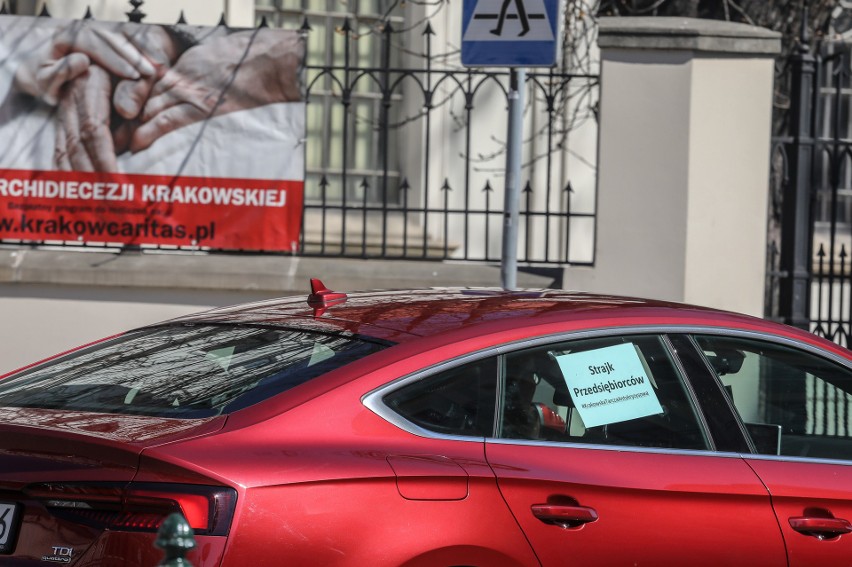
{"x":399,"y":316}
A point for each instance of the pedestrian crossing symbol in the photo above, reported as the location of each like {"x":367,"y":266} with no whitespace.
{"x":510,"y":33}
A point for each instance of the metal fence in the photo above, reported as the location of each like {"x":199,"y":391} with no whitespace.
{"x":381,"y":191}
{"x":809,"y":277}
{"x":443,"y":219}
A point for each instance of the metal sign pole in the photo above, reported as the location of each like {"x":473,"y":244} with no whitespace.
{"x":527,"y":36}
{"x":509,"y":259}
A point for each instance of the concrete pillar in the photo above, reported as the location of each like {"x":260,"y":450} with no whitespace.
{"x":685,"y":126}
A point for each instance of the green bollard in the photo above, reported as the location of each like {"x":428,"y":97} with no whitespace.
{"x":175,"y":538}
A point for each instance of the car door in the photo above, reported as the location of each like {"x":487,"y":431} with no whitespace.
{"x":797,"y":406}
{"x":603,"y":459}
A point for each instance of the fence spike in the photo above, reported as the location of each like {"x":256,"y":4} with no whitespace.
{"x":323,"y":181}
{"x":387,"y":28}
{"x":487,"y":188}
{"x":306,"y":26}
{"x":568,"y":188}
{"x":428,"y":30}
{"x":446,"y":185}
{"x":468,"y":100}
{"x":136,"y":15}
{"x":364,"y":184}
{"x":44,"y":13}
{"x":182,"y":18}
{"x":551,"y":103}
{"x":88,"y":15}
{"x":821,"y":252}
{"x":404,"y":186}
{"x":347,"y":26}
{"x":804,"y":32}
{"x":843,"y":251}
{"x":527,"y":187}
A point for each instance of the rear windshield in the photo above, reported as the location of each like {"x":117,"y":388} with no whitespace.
{"x":182,"y":371}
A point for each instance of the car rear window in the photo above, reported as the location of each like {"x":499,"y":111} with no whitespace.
{"x":187,"y":371}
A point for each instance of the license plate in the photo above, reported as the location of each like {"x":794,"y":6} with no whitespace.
{"x":8,"y":526}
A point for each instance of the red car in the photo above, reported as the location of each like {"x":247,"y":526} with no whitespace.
{"x":440,"y":428}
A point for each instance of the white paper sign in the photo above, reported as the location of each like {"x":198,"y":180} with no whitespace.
{"x":609,"y":385}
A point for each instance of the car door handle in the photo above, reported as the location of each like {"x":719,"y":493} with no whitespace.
{"x":564,"y":516}
{"x":821,"y":528}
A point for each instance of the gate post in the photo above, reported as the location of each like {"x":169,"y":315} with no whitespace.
{"x":683,"y":161}
{"x":796,"y":225}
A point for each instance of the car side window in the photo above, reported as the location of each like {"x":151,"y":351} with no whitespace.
{"x":458,"y":401}
{"x":791,"y":402}
{"x":614,"y":391}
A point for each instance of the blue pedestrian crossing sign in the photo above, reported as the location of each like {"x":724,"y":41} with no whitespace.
{"x":509,"y":33}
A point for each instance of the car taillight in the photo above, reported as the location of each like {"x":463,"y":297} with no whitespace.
{"x":139,"y":506}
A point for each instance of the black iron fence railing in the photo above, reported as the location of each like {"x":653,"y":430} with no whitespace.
{"x":808,"y":264}
{"x":831,"y":308}
{"x":397,"y":210}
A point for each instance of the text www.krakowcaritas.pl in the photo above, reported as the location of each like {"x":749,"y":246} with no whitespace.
{"x":64,"y":228}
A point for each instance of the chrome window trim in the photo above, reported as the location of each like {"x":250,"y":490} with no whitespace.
{"x":774,"y":339}
{"x":794,"y":459}
{"x":373,"y":399}
{"x":616,"y":448}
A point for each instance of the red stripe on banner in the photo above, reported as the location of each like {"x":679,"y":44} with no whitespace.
{"x":132,"y":209}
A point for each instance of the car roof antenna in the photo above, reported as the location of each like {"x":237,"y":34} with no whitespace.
{"x":321,"y":298}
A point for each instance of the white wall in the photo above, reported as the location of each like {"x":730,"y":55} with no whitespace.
{"x":642,"y":178}
{"x":683,"y":162}
{"x":40,"y":320}
{"x":728,"y":179}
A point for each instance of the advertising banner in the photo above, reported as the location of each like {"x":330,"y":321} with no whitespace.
{"x":135,"y":134}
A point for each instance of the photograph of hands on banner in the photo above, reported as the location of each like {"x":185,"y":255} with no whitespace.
{"x":179,"y":114}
